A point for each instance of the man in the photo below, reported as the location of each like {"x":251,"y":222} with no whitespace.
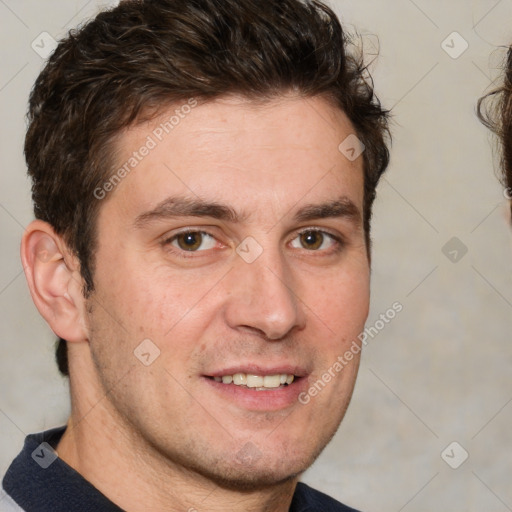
{"x":203,"y":175}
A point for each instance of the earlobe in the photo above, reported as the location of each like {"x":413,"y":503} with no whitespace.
{"x":54,"y":280}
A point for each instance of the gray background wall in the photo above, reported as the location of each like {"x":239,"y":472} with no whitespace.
{"x":440,"y":372}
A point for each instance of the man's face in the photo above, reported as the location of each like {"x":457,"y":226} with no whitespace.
{"x":236,"y":246}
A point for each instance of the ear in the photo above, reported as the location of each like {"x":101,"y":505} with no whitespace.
{"x":54,"y":280}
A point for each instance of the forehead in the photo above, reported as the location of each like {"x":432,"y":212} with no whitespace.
{"x":270,"y":154}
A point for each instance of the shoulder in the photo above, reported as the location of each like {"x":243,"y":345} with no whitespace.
{"x":306,"y":499}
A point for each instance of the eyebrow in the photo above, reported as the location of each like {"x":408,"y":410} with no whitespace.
{"x":195,"y":207}
{"x":187,"y":207}
{"x":339,"y":208}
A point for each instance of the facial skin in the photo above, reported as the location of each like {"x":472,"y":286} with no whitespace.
{"x":167,"y":436}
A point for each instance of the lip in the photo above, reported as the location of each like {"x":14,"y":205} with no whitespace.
{"x":250,"y":399}
{"x":254,"y":369}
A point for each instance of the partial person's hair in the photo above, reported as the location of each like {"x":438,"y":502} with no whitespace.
{"x":131,"y":62}
{"x":495,"y":111}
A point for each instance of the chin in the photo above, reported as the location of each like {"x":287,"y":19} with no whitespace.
{"x":249,"y":469}
{"x":254,"y":477}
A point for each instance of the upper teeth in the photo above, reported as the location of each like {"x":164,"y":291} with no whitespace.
{"x":256,"y":381}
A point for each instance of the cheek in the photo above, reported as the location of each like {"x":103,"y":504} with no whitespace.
{"x":166,"y":306}
{"x":141,"y":292}
{"x":342,"y":303}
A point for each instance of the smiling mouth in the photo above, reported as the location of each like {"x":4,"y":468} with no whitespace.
{"x":256,"y":382}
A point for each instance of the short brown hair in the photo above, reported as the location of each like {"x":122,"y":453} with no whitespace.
{"x":495,"y":111}
{"x":129,"y":62}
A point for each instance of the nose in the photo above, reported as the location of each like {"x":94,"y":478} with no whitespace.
{"x":262,"y":298}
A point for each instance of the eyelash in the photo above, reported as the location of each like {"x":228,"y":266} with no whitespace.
{"x":167,"y":243}
{"x":339,"y":242}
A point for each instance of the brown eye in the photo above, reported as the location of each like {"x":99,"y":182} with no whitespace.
{"x":189,"y":241}
{"x":315,"y":240}
{"x":311,"y":240}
